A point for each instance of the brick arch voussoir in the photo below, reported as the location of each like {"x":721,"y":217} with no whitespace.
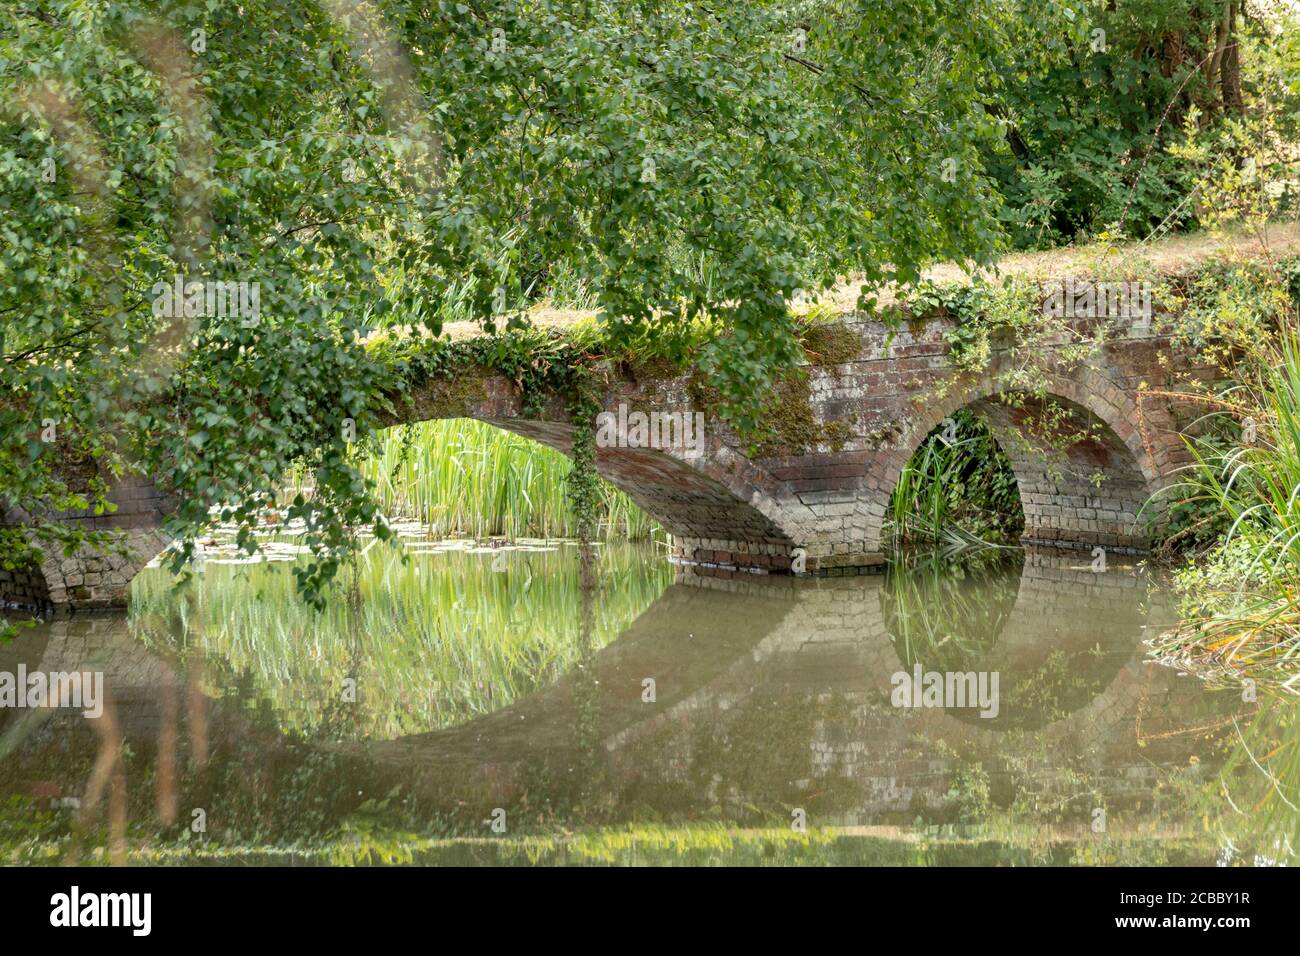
{"x":1090,"y":389}
{"x":716,"y":479}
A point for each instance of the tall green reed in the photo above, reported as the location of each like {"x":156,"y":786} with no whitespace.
{"x":465,"y":477}
{"x":1244,"y":599}
{"x":957,"y":490}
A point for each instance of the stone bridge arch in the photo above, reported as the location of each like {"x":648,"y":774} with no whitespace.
{"x":823,"y":505}
{"x":1087,"y":474}
{"x":817,"y":498}
{"x":720,"y":507}
{"x":92,"y":579}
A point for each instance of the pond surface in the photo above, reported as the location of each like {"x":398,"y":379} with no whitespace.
{"x":451,"y":706}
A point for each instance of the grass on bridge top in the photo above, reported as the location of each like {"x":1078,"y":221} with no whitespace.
{"x":1168,"y":256}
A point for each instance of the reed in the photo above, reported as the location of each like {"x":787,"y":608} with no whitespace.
{"x":1243,"y":613}
{"x":957,"y":491}
{"x":1261,"y":781}
{"x":466,"y":477}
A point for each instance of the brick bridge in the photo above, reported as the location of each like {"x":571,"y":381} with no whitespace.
{"x":816,"y":497}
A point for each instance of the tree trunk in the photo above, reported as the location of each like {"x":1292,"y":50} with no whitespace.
{"x":1171,"y":53}
{"x":1230,"y":68}
{"x":1212,"y":64}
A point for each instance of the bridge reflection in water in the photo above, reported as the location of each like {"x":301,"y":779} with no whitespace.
{"x":747,"y":700}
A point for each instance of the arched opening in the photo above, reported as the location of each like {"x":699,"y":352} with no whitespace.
{"x":1080,"y":483}
{"x":463,"y":476}
{"x":1007,"y":465}
{"x":958,"y":488}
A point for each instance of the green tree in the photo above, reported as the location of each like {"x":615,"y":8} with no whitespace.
{"x":1096,"y":96}
{"x":364,"y":164}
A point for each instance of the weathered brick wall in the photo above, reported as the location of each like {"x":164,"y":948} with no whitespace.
{"x":91,"y":578}
{"x":822,"y":504}
{"x":869,"y":416}
{"x":897,"y":393}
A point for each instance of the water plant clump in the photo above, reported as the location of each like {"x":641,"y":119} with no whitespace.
{"x":958,"y":488}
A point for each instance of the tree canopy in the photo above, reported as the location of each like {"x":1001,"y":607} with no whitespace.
{"x":389,"y":164}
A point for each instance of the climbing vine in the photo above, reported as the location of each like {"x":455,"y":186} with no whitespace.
{"x":583,"y":481}
{"x":543,"y":365}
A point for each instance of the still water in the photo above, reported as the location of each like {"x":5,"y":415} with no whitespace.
{"x":456,"y":705}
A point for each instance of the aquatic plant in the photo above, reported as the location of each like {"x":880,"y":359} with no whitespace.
{"x":1242,"y":600}
{"x":957,"y":490}
{"x":466,"y":477}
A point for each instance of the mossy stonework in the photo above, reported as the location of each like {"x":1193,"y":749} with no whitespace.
{"x":831,"y":344}
{"x":809,"y":492}
{"x":463,"y":390}
{"x":792,"y":425}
